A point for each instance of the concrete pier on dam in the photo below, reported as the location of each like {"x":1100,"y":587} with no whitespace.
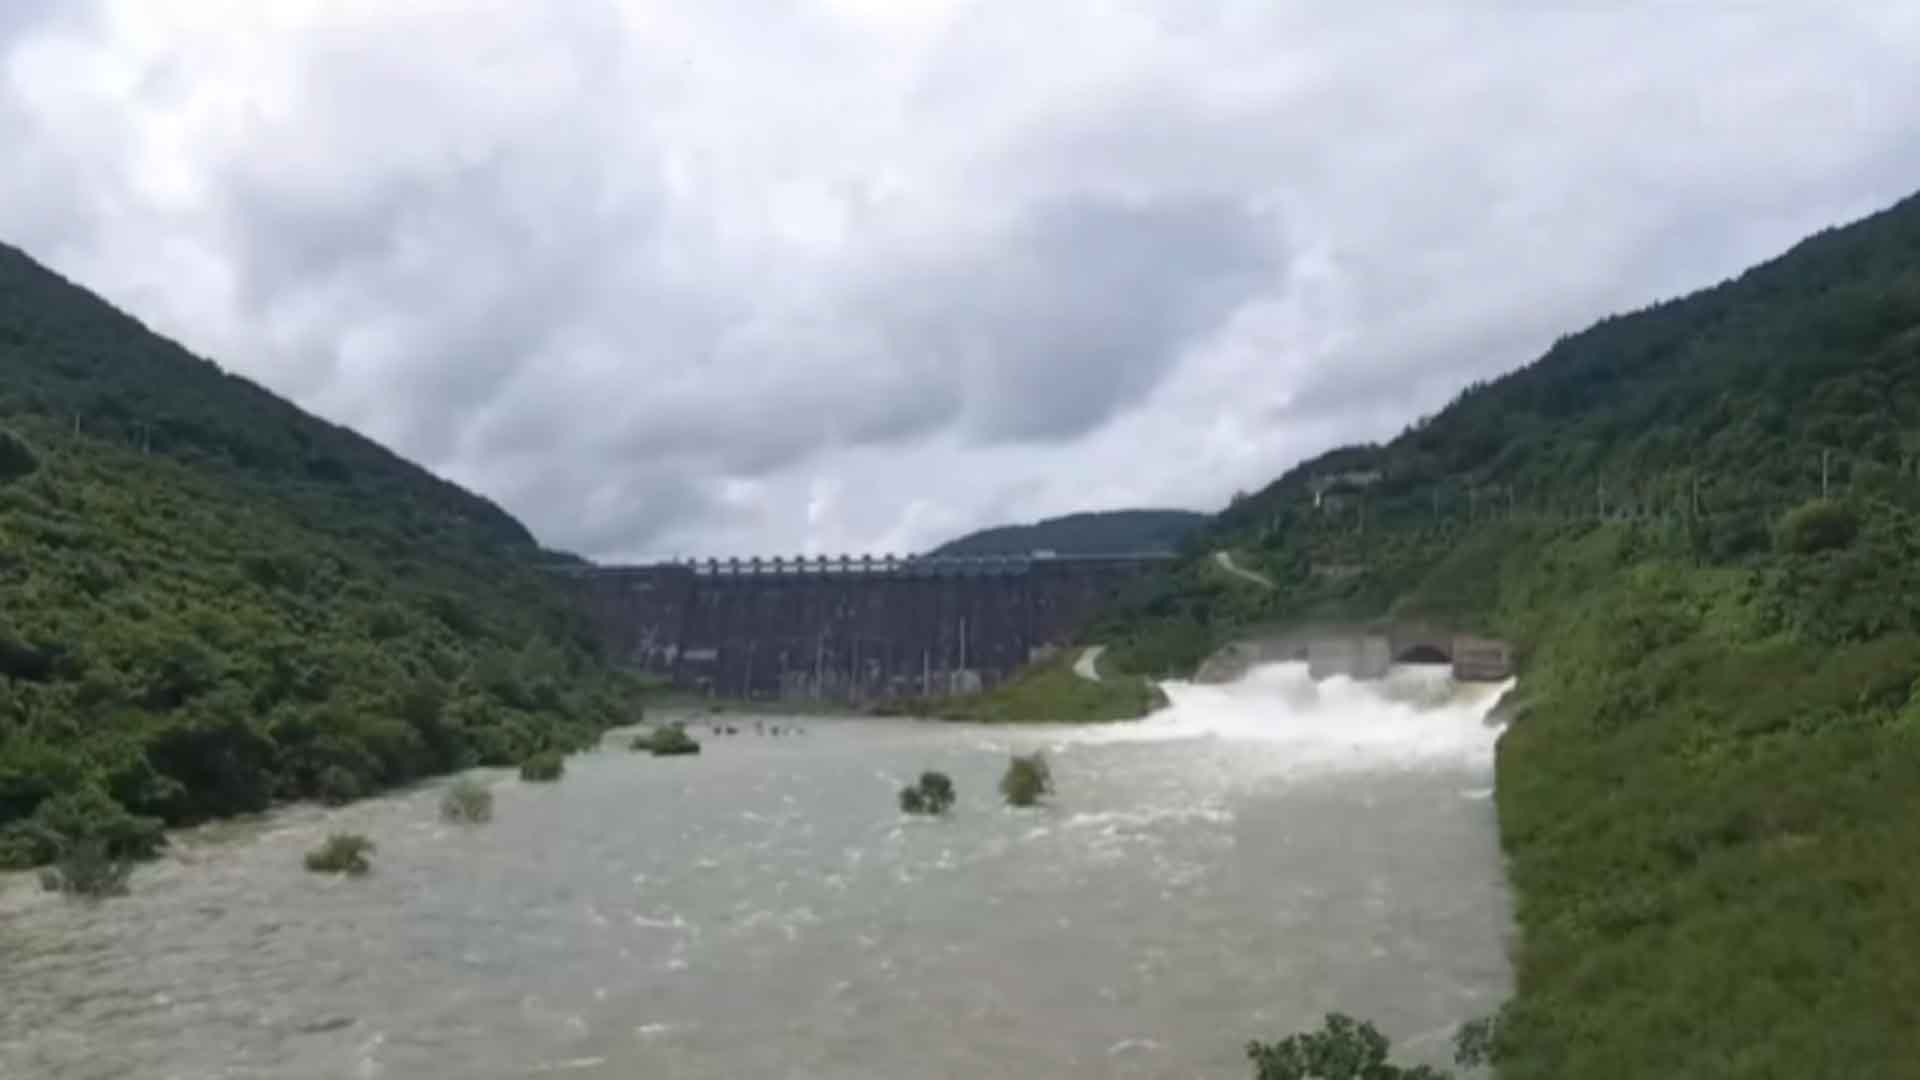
{"x":1363,"y":652}
{"x":846,"y":628}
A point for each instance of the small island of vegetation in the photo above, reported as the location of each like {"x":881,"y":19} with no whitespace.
{"x":343,"y":853}
{"x":1028,"y":779}
{"x":668,"y":740}
{"x":933,"y":795}
{"x":1047,"y":692}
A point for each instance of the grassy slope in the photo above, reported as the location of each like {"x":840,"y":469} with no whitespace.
{"x":1047,"y":693}
{"x":1712,"y":806}
{"x":209,"y":600}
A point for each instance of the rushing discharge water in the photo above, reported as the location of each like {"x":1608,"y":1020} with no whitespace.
{"x":1234,"y":867}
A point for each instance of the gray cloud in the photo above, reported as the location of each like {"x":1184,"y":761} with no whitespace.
{"x":861,"y":273}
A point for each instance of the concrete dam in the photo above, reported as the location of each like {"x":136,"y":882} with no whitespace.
{"x":847,"y":628}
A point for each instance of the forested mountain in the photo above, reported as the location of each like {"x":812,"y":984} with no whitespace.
{"x":210,"y":600}
{"x":1700,"y":523}
{"x":1107,"y":532}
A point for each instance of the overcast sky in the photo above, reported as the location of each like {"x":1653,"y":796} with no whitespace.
{"x":730,"y":277}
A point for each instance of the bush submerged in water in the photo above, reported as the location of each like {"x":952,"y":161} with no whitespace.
{"x":932,"y":795}
{"x":1027,"y":780}
{"x":669,"y":741}
{"x":543,"y":767}
{"x":343,"y":853}
{"x":467,"y":802}
{"x":88,"y":869}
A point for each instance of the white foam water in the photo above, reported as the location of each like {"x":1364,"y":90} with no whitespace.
{"x":1417,"y":715}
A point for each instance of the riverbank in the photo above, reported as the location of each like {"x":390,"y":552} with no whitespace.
{"x":763,"y":909}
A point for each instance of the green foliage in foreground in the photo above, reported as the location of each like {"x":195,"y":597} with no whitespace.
{"x":1046,"y":693}
{"x":1343,"y":1049}
{"x":211,"y":602}
{"x":1711,"y":806}
{"x":933,"y":794}
{"x":1027,"y":780}
{"x":467,"y":802}
{"x":343,"y":853}
{"x":544,"y":767}
{"x":670,"y":740}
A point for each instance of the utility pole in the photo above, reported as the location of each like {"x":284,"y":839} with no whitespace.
{"x":1824,"y":455}
{"x":926,"y":672}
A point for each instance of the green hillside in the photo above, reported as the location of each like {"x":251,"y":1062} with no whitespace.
{"x":1711,"y":800}
{"x":210,"y":600}
{"x":1108,"y":532}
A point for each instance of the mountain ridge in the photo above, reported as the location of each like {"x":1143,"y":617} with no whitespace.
{"x":211,"y":601}
{"x":1699,"y":523}
{"x":1096,"y":532}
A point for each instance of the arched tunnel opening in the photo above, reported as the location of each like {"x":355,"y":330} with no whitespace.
{"x":1422,"y":654}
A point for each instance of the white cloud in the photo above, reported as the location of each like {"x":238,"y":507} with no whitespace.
{"x":742,"y":277}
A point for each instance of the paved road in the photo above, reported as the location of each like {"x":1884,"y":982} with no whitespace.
{"x":1225,"y":559}
{"x":1088,"y":666}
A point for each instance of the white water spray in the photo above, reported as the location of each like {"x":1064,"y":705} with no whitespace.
{"x":1418,"y":716}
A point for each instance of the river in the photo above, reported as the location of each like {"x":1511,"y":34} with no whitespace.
{"x":1236,"y":866}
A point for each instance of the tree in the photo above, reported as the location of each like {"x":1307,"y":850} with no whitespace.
{"x":17,"y":459}
{"x":1027,"y":780}
{"x":933,"y":794}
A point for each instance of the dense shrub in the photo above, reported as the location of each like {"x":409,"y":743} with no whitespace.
{"x":668,"y":741}
{"x":343,"y":853}
{"x":1027,"y":780}
{"x":467,"y":802}
{"x":544,"y":767}
{"x":86,"y":818}
{"x":1342,"y":1049}
{"x":1818,"y":526}
{"x":932,"y":794}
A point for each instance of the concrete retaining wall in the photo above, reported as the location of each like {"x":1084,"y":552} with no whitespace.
{"x":1362,"y":652}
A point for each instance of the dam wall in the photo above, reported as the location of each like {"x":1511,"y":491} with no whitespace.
{"x":846,"y":629}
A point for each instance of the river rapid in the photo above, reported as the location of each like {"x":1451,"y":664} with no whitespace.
{"x":1234,"y":867}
